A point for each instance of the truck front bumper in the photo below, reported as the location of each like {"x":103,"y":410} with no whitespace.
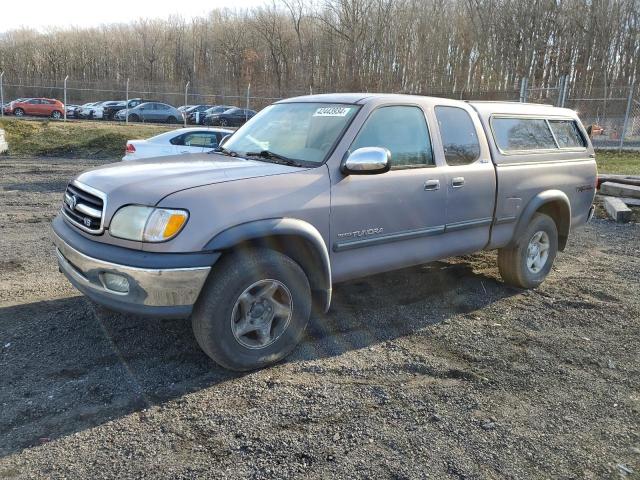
{"x":157,"y":292}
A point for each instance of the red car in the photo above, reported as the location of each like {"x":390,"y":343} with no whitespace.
{"x":37,"y":107}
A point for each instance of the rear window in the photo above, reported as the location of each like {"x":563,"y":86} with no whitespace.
{"x":517,"y":134}
{"x":567,"y":134}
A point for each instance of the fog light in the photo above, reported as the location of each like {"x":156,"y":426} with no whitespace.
{"x":115,"y":282}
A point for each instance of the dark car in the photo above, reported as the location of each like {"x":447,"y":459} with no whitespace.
{"x":111,"y":110}
{"x":216,"y":110}
{"x":151,"y":112}
{"x":234,"y":117}
{"x":195,"y":113}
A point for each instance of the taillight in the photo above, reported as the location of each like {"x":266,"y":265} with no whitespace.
{"x":130,"y":148}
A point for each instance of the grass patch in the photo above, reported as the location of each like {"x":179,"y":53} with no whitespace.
{"x":73,"y":139}
{"x":624,"y":163}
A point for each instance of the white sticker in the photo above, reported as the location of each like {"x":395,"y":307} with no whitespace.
{"x":332,"y":112}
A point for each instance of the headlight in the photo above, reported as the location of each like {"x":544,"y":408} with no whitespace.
{"x":147,"y":224}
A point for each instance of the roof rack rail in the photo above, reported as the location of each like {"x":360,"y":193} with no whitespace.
{"x":510,"y":101}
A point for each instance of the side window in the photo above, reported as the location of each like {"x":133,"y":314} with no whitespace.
{"x":403,"y":131}
{"x":567,"y":134}
{"x":459,"y":136}
{"x":207,"y":140}
{"x":522,"y":134}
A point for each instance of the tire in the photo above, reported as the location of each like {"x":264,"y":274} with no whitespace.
{"x":218,"y":315}
{"x":18,"y":112}
{"x":172,"y":120}
{"x":134,"y":118}
{"x":223,"y":123}
{"x":515,"y":263}
{"x":56,"y":115}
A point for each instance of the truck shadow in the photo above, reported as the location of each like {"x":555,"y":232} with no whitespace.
{"x":68,"y":366}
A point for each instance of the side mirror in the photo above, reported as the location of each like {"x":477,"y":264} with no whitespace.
{"x":367,"y":161}
{"x":224,"y":139}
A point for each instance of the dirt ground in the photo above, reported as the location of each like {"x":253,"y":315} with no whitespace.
{"x":438,"y":371}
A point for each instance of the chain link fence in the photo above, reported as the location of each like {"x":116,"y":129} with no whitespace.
{"x":612,"y":115}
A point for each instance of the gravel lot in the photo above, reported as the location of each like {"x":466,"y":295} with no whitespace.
{"x":437,"y":371}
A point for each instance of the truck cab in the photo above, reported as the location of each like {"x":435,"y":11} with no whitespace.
{"x":248,"y":240}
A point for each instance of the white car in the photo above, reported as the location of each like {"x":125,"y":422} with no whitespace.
{"x":176,"y":142}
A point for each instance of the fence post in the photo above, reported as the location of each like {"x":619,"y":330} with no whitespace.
{"x":524,"y":84}
{"x":626,"y":115}
{"x":65,"y":97}
{"x":565,"y":88}
{"x":246,"y":113}
{"x":186,"y":93}
{"x":1,"y":95}
{"x":126,"y":108}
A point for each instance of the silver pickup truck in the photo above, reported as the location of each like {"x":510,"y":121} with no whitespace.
{"x":316,"y":190}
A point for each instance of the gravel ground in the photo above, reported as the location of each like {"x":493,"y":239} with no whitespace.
{"x":437,"y":371}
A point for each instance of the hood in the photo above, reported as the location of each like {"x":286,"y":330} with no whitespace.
{"x":148,"y":181}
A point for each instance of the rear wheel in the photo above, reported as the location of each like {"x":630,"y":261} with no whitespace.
{"x":18,"y":112}
{"x":253,"y":309}
{"x":529,"y":261}
{"x":224,"y":123}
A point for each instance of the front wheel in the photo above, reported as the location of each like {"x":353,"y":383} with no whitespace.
{"x":224,"y":123}
{"x":528,"y":263}
{"x":56,"y":115}
{"x":172,"y":120}
{"x":253,"y":309}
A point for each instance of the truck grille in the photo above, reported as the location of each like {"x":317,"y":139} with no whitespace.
{"x":83,"y":206}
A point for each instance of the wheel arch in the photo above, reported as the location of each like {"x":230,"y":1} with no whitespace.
{"x":553,"y":203}
{"x":295,"y":238}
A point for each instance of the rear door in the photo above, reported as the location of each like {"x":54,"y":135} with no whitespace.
{"x":470,"y":177}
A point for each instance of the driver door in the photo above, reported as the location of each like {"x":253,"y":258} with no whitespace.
{"x":389,"y":220}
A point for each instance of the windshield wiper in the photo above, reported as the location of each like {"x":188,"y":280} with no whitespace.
{"x":276,"y":157}
{"x":224,"y":151}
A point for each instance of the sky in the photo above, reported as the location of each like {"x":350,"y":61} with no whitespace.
{"x":40,"y":14}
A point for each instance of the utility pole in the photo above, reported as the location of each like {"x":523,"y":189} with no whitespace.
{"x":65,"y":97}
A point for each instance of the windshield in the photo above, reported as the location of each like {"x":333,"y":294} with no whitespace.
{"x":300,"y":131}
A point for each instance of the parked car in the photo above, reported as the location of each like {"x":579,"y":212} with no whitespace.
{"x":151,"y":112}
{"x":213,"y":111}
{"x":6,"y":109}
{"x":319,"y":190}
{"x":71,"y":110}
{"x":193,"y":114}
{"x":4,"y":146}
{"x":96,"y":111}
{"x":176,"y":142}
{"x":87,"y":110}
{"x":37,"y":107}
{"x":234,"y":117}
{"x":182,"y":108}
{"x":109,"y":111}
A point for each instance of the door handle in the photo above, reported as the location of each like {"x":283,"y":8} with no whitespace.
{"x":457,"y":182}
{"x":432,"y":185}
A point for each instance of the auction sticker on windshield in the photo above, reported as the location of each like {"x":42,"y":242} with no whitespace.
{"x":332,"y":112}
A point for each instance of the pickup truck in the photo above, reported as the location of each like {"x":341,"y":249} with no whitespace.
{"x":249,"y":240}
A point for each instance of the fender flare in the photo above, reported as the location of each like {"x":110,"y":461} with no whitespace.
{"x":562,"y":219}
{"x":274,"y":227}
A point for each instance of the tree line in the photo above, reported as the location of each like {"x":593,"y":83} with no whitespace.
{"x":287,"y":47}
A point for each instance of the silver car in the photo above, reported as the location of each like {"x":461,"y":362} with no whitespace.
{"x":153,"y":112}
